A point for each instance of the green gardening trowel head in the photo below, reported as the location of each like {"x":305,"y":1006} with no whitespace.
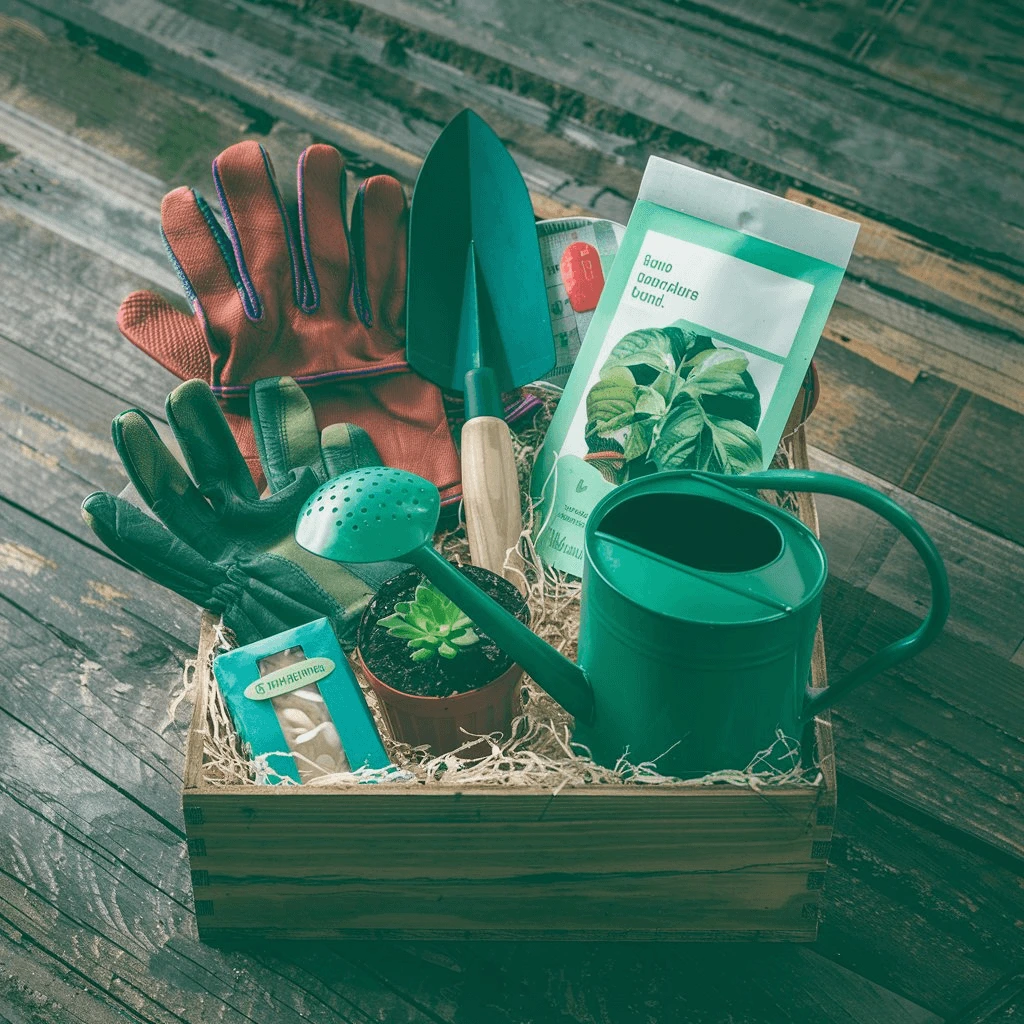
{"x":369,"y":515}
{"x":476,"y":295}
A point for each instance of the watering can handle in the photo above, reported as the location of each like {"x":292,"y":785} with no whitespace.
{"x":827,"y":483}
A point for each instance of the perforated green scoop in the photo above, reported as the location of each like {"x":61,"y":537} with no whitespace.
{"x":378,"y":514}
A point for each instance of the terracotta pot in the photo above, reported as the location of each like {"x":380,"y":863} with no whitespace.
{"x":439,"y":721}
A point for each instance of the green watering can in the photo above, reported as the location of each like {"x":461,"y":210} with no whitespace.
{"x":699,"y":609}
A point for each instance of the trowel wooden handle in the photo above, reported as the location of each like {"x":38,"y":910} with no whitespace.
{"x":490,"y":494}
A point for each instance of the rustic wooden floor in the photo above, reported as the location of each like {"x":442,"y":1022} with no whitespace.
{"x":904,"y":113}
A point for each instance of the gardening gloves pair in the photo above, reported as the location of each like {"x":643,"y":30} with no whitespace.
{"x":217,"y":543}
{"x":325,"y":306}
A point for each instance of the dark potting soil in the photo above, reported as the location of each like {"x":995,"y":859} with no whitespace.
{"x":387,"y":657}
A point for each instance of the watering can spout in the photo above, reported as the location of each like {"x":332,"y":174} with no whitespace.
{"x":377,"y":514}
{"x":560,"y":677}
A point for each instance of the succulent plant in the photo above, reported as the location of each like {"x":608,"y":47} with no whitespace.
{"x":431,"y":624}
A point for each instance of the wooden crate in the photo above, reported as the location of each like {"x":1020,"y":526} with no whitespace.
{"x":479,"y":862}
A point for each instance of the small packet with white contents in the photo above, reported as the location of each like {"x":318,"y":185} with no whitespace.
{"x":294,"y":700}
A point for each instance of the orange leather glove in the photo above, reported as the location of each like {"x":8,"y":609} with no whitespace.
{"x":325,"y":307}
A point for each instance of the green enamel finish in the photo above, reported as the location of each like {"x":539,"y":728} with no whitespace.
{"x":476,"y":298}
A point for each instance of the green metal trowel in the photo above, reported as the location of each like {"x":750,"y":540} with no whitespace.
{"x":477,"y":313}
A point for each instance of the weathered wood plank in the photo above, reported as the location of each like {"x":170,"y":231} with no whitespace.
{"x":757,"y":101}
{"x":614,"y":983}
{"x":55,"y":432}
{"x":1001,"y":1004}
{"x":84,"y":195}
{"x":986,"y":572}
{"x":900,"y":262}
{"x":897,"y":733}
{"x":900,"y":897}
{"x":113,"y":100}
{"x":973,"y":472}
{"x":304,"y":57}
{"x":61,"y":301}
{"x":37,"y":988}
{"x":863,"y":324}
{"x":871,"y":417}
{"x":108,"y":925}
{"x":872,"y":322}
{"x":962,"y":53}
{"x":940,"y":442}
{"x":124,"y":638}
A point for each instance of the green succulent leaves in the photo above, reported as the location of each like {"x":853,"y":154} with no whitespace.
{"x":668,"y":398}
{"x":431,"y":624}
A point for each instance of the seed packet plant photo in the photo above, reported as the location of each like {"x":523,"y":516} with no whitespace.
{"x":698,"y":347}
{"x":673,"y":398}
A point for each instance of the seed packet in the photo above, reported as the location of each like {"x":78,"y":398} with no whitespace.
{"x":577,"y":253}
{"x":698,"y":347}
{"x":295,"y":692}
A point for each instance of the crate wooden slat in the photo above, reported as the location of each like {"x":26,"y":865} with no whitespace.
{"x":415,"y":862}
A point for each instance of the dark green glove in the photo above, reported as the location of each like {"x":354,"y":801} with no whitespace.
{"x":220,"y":544}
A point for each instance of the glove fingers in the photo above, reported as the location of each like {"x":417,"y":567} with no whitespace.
{"x":174,"y":339}
{"x":149,"y":547}
{"x":379,"y":224}
{"x":322,"y":230}
{"x":346,"y":446}
{"x":158,"y":477}
{"x":236,"y":412}
{"x":285,"y":430}
{"x":208,"y":445}
{"x":257,"y":228}
{"x":204,"y":260}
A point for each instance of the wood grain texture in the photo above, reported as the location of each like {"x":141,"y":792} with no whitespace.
{"x":756,"y":100}
{"x":490,"y":496}
{"x":986,"y":572}
{"x":954,"y":695}
{"x":640,"y":868}
{"x":946,"y":897}
{"x":963,"y":54}
{"x":619,"y":983}
{"x":1001,"y":1004}
{"x":972,"y":472}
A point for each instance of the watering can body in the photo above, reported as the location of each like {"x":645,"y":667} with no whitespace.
{"x":697,"y":626}
{"x":699,"y":613}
